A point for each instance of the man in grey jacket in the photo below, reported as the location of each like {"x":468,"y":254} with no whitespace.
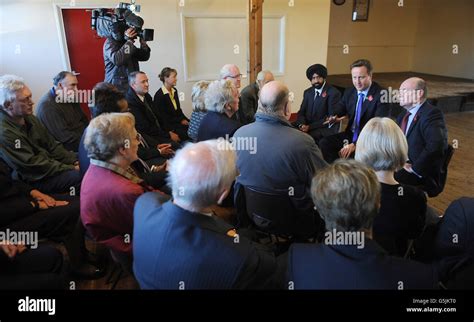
{"x":121,"y":57}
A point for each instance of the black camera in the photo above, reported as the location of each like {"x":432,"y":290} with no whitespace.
{"x":113,"y":24}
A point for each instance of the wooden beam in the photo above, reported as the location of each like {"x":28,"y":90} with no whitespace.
{"x":255,"y":38}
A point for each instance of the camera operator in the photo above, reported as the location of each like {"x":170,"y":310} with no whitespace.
{"x":121,"y":56}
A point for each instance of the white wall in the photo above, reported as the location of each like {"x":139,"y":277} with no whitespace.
{"x":31,"y":27}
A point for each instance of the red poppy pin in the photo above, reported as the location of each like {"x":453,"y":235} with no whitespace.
{"x":370,"y":98}
{"x":324,"y":94}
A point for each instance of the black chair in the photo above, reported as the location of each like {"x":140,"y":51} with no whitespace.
{"x":274,"y":213}
{"x":444,"y":169}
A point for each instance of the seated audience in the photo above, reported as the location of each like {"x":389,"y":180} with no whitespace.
{"x":425,"y":129}
{"x":30,"y":269}
{"x":181,"y":244}
{"x":347,"y":196}
{"x":53,"y":217}
{"x":27,"y":147}
{"x":383,"y":147}
{"x":283,"y":159}
{"x":199,"y":108}
{"x":110,"y":187}
{"x":222,"y":102}
{"x":60,"y":112}
{"x":150,"y":166}
{"x":319,"y":103}
{"x":167,"y":107}
{"x":360,"y":103}
{"x":249,"y":97}
{"x":231,"y":72}
{"x":140,"y":104}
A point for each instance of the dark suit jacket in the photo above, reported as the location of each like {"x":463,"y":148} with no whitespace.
{"x":216,"y":125}
{"x":314,"y":113}
{"x":174,"y":248}
{"x":320,"y":266}
{"x":427,"y":143}
{"x":458,"y":219}
{"x":168,"y":116}
{"x":371,"y":107}
{"x":248,"y":103}
{"x":146,"y":121}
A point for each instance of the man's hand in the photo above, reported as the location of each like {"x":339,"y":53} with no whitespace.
{"x":408,"y":167}
{"x":184,"y":122}
{"x":45,"y":201}
{"x":131,"y":33}
{"x":12,"y":250}
{"x":347,"y":150}
{"x":143,"y":43}
{"x":174,"y":136}
{"x":165,"y":149}
{"x":304,"y":128}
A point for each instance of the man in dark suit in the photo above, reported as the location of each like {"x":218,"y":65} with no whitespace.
{"x":427,"y":136}
{"x":182,"y":245}
{"x":319,"y":103}
{"x":347,"y":196}
{"x":248,"y":102}
{"x":140,"y":105}
{"x":360,"y":103}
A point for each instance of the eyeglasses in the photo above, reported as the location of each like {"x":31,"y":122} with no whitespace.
{"x":239,"y":76}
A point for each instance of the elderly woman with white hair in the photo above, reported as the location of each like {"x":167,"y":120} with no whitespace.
{"x":110,"y":187}
{"x":383,"y":147}
{"x":198,"y":96}
{"x":222,"y":102}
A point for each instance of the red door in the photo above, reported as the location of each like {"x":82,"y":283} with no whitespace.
{"x":85,"y":49}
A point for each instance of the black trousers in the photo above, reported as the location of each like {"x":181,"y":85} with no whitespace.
{"x":66,"y":182}
{"x":38,"y":268}
{"x":320,"y":133}
{"x":331,"y":145}
{"x":54,"y":223}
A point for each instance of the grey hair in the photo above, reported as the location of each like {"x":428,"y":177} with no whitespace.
{"x":199,"y":184}
{"x":225,"y":70}
{"x":346,"y":195}
{"x":9,"y":86}
{"x":219,"y":93}
{"x":421,"y":85}
{"x":107,"y":133}
{"x":261,"y":74}
{"x":61,"y":76}
{"x":382,"y":145}
{"x":198,"y":95}
{"x":132,"y":76}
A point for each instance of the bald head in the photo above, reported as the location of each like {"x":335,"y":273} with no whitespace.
{"x":412,"y":91}
{"x":274,"y":99}
{"x":201,"y":173}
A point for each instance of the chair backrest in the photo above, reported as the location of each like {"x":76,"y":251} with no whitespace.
{"x":448,"y":155}
{"x":270,"y":212}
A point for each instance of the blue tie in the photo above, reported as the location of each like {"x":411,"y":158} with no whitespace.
{"x":357,"y":117}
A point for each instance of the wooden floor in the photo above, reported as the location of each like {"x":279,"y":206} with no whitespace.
{"x":460,"y":180}
{"x":460,"y":183}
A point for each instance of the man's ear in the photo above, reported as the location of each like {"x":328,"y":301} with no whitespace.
{"x":287,"y":110}
{"x":224,"y":193}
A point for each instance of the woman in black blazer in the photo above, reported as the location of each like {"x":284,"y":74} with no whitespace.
{"x":167,"y":107}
